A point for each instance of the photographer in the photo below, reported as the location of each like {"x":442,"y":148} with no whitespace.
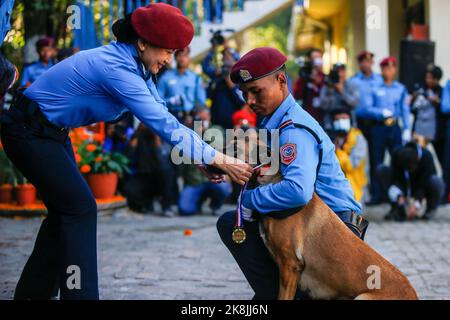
{"x":337,"y":94}
{"x":214,"y":65}
{"x":309,"y":84}
{"x":429,"y":123}
{"x":225,"y":96}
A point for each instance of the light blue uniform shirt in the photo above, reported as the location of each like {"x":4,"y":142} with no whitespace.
{"x":393,"y":98}
{"x":445,"y":104}
{"x":103,"y":83}
{"x":6,"y":7}
{"x":33,"y":71}
{"x":297,"y":187}
{"x":365,"y":87}
{"x":189,"y":86}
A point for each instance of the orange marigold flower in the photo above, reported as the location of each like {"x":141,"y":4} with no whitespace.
{"x":98,"y":159}
{"x":91,"y":147}
{"x":85,"y":168}
{"x":77,"y":157}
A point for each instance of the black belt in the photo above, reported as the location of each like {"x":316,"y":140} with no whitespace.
{"x":354,"y":221}
{"x":24,"y":110}
{"x":32,"y":109}
{"x":389,"y":122}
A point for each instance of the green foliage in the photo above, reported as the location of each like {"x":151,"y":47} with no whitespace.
{"x":272,"y":33}
{"x":93,"y":159}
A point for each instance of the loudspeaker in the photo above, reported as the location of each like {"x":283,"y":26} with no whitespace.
{"x":415,"y":56}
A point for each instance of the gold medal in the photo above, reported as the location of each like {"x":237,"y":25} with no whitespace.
{"x":238,"y":235}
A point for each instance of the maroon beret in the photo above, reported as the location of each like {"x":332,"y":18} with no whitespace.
{"x":257,"y":64}
{"x":365,"y":55}
{"x":389,"y":61}
{"x":44,"y":42}
{"x":163,"y":25}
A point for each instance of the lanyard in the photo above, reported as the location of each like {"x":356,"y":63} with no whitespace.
{"x":239,"y":234}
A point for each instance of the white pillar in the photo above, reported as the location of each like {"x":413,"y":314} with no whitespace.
{"x":377,"y":29}
{"x":439,"y":20}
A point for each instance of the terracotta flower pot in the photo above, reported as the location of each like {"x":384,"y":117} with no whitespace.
{"x":25,"y":194}
{"x":103,"y":185}
{"x":6,"y":193}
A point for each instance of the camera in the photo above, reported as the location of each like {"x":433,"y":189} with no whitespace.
{"x":217,"y":38}
{"x":334,"y":77}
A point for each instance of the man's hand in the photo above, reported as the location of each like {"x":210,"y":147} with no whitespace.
{"x":406,"y":136}
{"x":212,"y":176}
{"x":176,"y":100}
{"x":238,"y":170}
{"x":339,"y":87}
{"x":247,"y":214}
{"x":387,"y":113}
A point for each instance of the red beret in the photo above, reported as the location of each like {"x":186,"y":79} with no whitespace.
{"x":257,"y":64}
{"x":244,"y":114}
{"x":389,"y":61}
{"x":163,"y":25}
{"x":44,"y":42}
{"x":365,"y":55}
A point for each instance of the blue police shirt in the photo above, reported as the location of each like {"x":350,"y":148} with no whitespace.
{"x":189,"y":86}
{"x":445,"y":104}
{"x":103,"y":83}
{"x":6,"y":7}
{"x":394,"y":98}
{"x":365,"y":86}
{"x":297,"y":187}
{"x":33,"y":71}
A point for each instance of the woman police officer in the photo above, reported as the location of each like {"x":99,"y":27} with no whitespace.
{"x":91,"y":86}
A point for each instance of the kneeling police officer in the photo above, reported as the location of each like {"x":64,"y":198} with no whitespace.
{"x":308,"y":165}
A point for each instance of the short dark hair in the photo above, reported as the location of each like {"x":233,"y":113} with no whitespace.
{"x":435,"y":71}
{"x":312,"y":50}
{"x":282,"y":70}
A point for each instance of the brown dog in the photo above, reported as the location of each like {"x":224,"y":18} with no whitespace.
{"x":317,"y":251}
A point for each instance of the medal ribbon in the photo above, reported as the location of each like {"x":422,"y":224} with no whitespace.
{"x":239,"y":222}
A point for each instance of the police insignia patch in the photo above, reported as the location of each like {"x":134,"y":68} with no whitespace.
{"x":245,"y":75}
{"x":288,"y":153}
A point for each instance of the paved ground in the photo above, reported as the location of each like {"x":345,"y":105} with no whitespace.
{"x":149,"y":257}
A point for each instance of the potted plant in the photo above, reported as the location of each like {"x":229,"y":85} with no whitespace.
{"x":101,"y":169}
{"x":25,"y":191}
{"x":6,"y":178}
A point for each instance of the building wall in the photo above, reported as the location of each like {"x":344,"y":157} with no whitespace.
{"x":439,"y":21}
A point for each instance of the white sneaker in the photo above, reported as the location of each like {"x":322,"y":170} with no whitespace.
{"x":169,"y":213}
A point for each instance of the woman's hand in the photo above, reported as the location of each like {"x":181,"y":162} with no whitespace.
{"x":238,"y":170}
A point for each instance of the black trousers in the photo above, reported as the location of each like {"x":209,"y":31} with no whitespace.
{"x":65,"y":252}
{"x":254,"y":259}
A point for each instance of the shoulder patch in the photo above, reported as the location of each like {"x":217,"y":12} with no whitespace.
{"x":288,"y":153}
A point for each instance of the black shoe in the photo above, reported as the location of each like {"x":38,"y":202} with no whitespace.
{"x":373,"y":203}
{"x":389,"y":216}
{"x":429,"y":214}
